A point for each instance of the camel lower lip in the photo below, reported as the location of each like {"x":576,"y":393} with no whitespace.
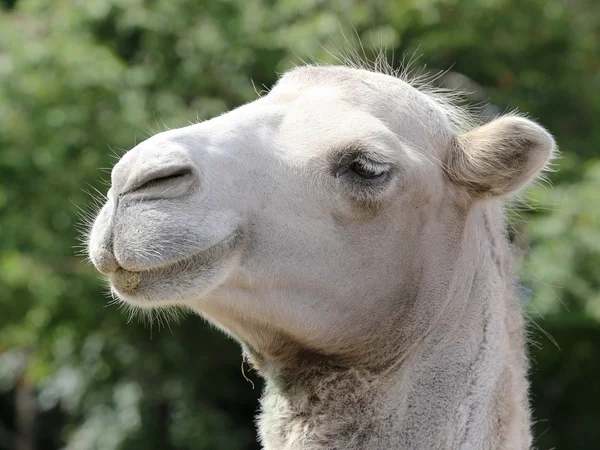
{"x":128,"y":281}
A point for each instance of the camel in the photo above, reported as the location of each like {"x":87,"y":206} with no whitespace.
{"x":347,"y":230}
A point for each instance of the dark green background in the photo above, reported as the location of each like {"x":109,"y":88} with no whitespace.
{"x":81,"y":80}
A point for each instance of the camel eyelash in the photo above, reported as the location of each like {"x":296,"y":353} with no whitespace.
{"x":361,"y":173}
{"x":358,"y":160}
{"x":367,"y":170}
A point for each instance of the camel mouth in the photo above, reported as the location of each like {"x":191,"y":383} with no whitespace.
{"x":134,"y":282}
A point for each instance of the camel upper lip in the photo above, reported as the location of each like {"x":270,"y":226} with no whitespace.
{"x":200,"y":257}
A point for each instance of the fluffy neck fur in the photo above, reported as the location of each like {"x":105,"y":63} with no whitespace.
{"x":457,"y":379}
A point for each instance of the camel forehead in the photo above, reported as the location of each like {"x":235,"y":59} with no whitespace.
{"x":341,"y":76}
{"x":358,"y":85}
{"x":351,"y":96}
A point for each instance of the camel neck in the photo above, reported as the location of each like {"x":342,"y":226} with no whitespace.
{"x":461,"y":386}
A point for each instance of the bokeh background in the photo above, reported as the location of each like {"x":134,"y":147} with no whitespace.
{"x":83,"y":80}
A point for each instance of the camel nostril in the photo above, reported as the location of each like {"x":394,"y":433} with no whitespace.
{"x":164,"y":179}
{"x":105,"y":261}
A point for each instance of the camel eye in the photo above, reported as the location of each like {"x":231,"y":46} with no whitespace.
{"x":367,"y":170}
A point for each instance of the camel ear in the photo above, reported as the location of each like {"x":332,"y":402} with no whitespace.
{"x":501,"y":157}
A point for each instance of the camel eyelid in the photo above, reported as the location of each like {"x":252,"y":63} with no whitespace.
{"x":351,"y":154}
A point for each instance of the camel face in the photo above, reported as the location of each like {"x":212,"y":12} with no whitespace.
{"x":304,"y":211}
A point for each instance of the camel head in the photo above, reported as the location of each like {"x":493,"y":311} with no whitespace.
{"x":308,"y":215}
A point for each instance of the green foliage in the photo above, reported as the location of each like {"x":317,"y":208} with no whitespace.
{"x":80,"y":81}
{"x":563,"y":264}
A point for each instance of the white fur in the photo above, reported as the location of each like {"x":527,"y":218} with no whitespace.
{"x":382,"y":314}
